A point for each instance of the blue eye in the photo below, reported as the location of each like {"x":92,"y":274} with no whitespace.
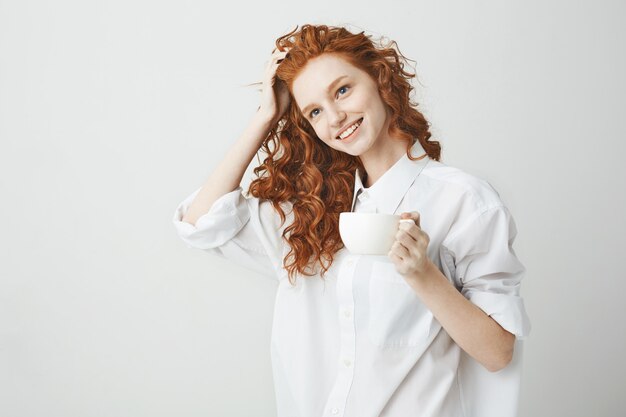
{"x":345,"y":87}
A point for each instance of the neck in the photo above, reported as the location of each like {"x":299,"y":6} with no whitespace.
{"x":377,"y":162}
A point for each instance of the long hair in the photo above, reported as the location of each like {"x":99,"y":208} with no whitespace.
{"x":301,"y":169}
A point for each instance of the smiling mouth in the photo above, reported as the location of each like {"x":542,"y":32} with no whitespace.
{"x":349,"y":131}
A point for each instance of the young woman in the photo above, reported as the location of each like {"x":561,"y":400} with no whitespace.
{"x":357,"y":335}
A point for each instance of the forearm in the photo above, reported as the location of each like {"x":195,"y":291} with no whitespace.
{"x":471,"y":328}
{"x":228,"y":174}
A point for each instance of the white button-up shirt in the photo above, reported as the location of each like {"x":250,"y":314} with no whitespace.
{"x":360,"y":342}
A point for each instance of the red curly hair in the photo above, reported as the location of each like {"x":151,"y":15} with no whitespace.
{"x":301,"y":169}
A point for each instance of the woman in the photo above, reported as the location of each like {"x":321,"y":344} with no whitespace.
{"x":362,"y":335}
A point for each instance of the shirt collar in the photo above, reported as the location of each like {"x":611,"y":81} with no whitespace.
{"x":391,"y":187}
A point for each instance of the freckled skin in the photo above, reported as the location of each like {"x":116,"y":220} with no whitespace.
{"x":352,"y":98}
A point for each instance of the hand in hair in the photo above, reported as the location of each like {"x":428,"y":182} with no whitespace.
{"x":275,"y":97}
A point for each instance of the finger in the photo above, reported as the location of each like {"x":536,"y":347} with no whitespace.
{"x":400,"y":250}
{"x":415,"y":250}
{"x":279,"y":58}
{"x":404,"y":234}
{"x":275,"y":62}
{"x":394,"y":257}
{"x":411,"y":229}
{"x":407,"y":240}
{"x":414,"y":215}
{"x":275,"y":57}
{"x":271,"y":68}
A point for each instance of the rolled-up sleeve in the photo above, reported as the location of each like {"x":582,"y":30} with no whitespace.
{"x":487,"y":269}
{"x":242,"y":229}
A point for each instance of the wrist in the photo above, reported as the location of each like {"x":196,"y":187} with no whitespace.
{"x":262,"y":122}
{"x":427,"y":276}
{"x":265,"y":118}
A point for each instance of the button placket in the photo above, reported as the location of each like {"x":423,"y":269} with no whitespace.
{"x":345,"y":372}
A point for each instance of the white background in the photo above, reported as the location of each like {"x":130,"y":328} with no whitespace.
{"x":112,"y":112}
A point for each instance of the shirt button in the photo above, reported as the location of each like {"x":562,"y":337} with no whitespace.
{"x":350,"y":262}
{"x":334,"y":411}
{"x":347,"y":362}
{"x":347,"y":314}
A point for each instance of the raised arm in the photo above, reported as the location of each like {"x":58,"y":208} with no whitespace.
{"x":228,"y":174}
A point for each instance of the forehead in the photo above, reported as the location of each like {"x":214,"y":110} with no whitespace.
{"x":317,"y":75}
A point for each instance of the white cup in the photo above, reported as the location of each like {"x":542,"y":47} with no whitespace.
{"x":369,"y":233}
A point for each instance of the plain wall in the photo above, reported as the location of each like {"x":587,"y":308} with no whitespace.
{"x":112,"y":112}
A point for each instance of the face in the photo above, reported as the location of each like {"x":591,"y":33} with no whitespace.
{"x":342,"y":104}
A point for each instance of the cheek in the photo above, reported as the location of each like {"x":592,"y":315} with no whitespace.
{"x":379,"y":114}
{"x":374,"y":101}
{"x":316,"y":129}
{"x":321,"y":130}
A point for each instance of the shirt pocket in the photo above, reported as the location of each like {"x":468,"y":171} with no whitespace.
{"x":398,"y":318}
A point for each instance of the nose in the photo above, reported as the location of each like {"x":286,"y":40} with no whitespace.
{"x":336,"y":117}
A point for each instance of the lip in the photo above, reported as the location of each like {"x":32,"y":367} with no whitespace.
{"x":347,"y":126}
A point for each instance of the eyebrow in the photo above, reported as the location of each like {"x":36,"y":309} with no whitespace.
{"x":330,"y":87}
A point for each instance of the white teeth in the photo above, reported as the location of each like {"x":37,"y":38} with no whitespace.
{"x":349,"y":130}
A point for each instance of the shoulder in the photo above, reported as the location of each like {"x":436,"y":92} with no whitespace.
{"x":466,"y":187}
{"x":472,"y":208}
